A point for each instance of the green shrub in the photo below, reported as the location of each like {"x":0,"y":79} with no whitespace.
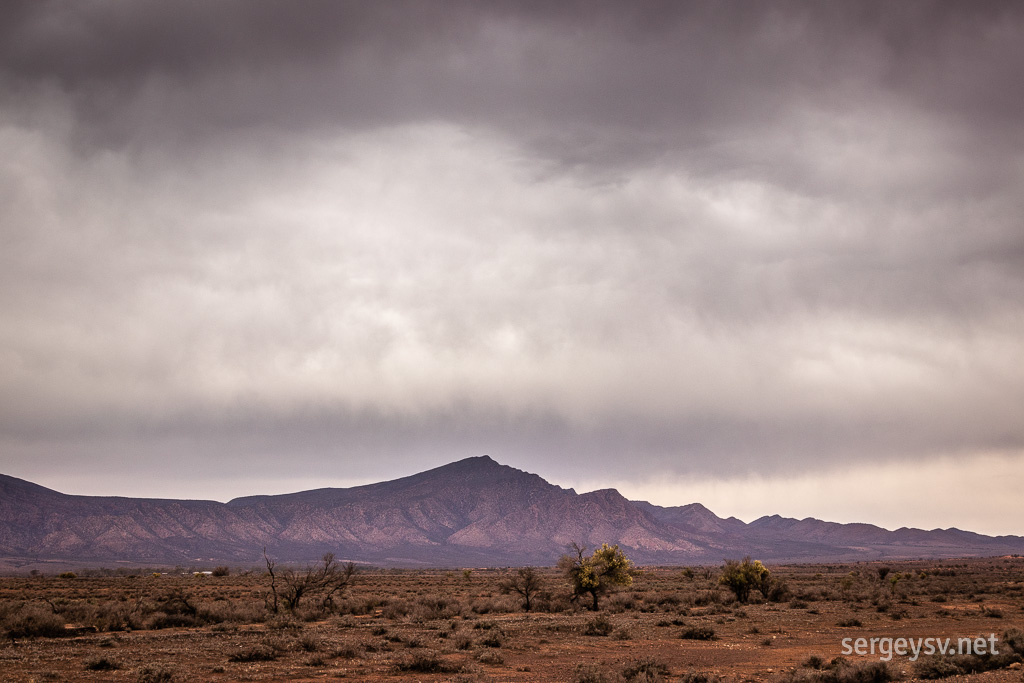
{"x":597,"y":574}
{"x":744,"y":576}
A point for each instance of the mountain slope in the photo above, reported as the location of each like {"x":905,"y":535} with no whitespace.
{"x":471,"y":512}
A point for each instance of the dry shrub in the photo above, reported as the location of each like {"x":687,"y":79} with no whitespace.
{"x":430,"y":608}
{"x":698,"y":677}
{"x":598,"y":626}
{"x":101,"y":664}
{"x":427,"y":662}
{"x":105,"y":617}
{"x":284,"y":623}
{"x":150,"y":675}
{"x":552,"y":604}
{"x":594,"y":673}
{"x":348,"y":652}
{"x":492,"y":639}
{"x":1011,"y":650}
{"x":358,"y":606}
{"x":646,"y":670}
{"x":705,"y":597}
{"x":699,"y":633}
{"x":839,"y":670}
{"x":309,"y":643}
{"x":256,"y":653}
{"x":395,"y":609}
{"x":490,"y":657}
{"x":31,"y":621}
{"x":621,"y":602}
{"x":463,"y":641}
{"x":494,"y":605}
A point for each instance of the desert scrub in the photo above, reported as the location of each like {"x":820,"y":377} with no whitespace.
{"x":31,"y":621}
{"x":492,"y":639}
{"x":462,"y":641}
{"x":151,"y":675}
{"x":256,"y":653}
{"x":1011,"y":651}
{"x":427,"y":662}
{"x":646,"y":670}
{"x":431,"y":608}
{"x":490,"y":657}
{"x":309,"y":643}
{"x":699,"y":633}
{"x":598,"y":626}
{"x":101,"y":664}
{"x":839,"y":670}
{"x":698,"y":677}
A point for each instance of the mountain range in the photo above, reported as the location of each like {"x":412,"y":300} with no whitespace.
{"x":474,"y":512}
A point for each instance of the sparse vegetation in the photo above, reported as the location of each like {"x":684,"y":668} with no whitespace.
{"x":436,"y":626}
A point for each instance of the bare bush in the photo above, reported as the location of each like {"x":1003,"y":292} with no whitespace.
{"x":321,"y":582}
{"x":525,"y":582}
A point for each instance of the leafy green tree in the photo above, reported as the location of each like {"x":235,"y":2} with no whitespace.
{"x":743,"y":576}
{"x":595,"y":575}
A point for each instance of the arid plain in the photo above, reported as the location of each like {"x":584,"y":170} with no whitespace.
{"x":672,"y":624}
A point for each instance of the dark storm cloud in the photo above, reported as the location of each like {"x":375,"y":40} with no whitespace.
{"x":701,"y":237}
{"x":632,"y":73}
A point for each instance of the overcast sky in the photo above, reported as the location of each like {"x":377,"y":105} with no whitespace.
{"x":765,"y":256}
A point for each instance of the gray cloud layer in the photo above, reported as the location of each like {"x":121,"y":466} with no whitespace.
{"x":682,"y":237}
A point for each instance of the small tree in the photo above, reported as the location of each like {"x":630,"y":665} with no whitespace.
{"x":322,"y":581}
{"x":741,"y":577}
{"x":271,"y":598}
{"x":526,"y":582}
{"x":595,"y":575}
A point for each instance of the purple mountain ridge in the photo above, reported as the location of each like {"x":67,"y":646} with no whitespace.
{"x":474,"y":512}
